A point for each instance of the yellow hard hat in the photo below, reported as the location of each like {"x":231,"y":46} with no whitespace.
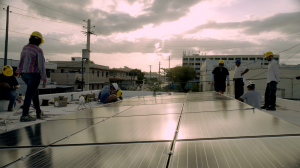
{"x":221,"y":62}
{"x":250,"y":83}
{"x":268,"y":54}
{"x":119,"y":93}
{"x":37,"y":34}
{"x":7,"y":70}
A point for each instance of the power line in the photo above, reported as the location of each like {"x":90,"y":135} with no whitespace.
{"x":38,"y":14}
{"x":55,"y":10}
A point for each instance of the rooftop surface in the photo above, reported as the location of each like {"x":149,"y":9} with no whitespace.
{"x":203,"y":129}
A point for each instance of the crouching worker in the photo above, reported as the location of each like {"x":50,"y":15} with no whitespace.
{"x":117,"y":91}
{"x":105,"y":95}
{"x":252,"y":97}
{"x":8,"y":86}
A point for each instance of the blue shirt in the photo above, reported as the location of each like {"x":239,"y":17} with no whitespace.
{"x":104,"y":94}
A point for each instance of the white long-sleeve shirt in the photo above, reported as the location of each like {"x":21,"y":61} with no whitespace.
{"x":273,"y":72}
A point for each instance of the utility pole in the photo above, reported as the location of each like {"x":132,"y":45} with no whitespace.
{"x":159,"y":71}
{"x":87,"y":66}
{"x":6,"y":35}
{"x":150,"y":72}
{"x":169,"y":61}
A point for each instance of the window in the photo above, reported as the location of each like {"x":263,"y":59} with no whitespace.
{"x":198,"y":59}
{"x":93,"y":72}
{"x":102,"y":86}
{"x":266,"y":63}
{"x":92,"y":87}
{"x":185,"y":63}
{"x":276,"y":59}
{"x":106,"y":74}
{"x":237,"y":58}
{"x":245,"y":58}
{"x":217,"y":58}
{"x":62,"y":70}
{"x":47,"y":73}
{"x":259,"y":58}
{"x":97,"y":86}
{"x":198,"y":73}
{"x":230,"y":59}
{"x":52,"y":70}
{"x":197,"y":69}
{"x":203,"y":58}
{"x":98,"y":73}
{"x":185,"y":59}
{"x":252,"y":58}
{"x":191,"y":59}
{"x":191,"y":63}
{"x":197,"y":63}
{"x":224,"y":58}
{"x":102,"y":73}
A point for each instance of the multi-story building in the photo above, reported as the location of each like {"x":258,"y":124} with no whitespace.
{"x":196,"y":60}
{"x":70,"y":73}
{"x":122,"y":78}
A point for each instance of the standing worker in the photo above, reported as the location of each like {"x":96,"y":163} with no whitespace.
{"x":239,"y":73}
{"x":32,"y":70}
{"x":218,"y":79}
{"x":272,"y":81}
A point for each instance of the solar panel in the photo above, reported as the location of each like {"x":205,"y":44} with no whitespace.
{"x":128,"y":129}
{"x":100,"y":112}
{"x":44,"y":133}
{"x":255,"y":153}
{"x":158,"y":109}
{"x":237,"y":123}
{"x":141,"y":155}
{"x":214,"y":106}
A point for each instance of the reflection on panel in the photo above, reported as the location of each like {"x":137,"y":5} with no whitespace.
{"x":245,"y":153}
{"x":127,"y":129}
{"x":214,"y":106}
{"x":117,"y":156}
{"x":153,"y":109}
{"x":10,"y":155}
{"x":233,"y":124}
{"x":103,"y":112}
{"x":208,"y":98}
{"x":164,"y":101}
{"x":124,"y":103}
{"x":44,"y":133}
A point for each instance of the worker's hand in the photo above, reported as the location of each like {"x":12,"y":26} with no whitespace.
{"x":6,"y":85}
{"x":19,"y":75}
{"x":44,"y":84}
{"x":242,"y":74}
{"x":228,"y":85}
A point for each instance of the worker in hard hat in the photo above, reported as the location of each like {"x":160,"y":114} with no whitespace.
{"x":32,"y":70}
{"x":219,"y":76}
{"x":117,"y":91}
{"x":8,"y":86}
{"x":238,"y":78}
{"x":106,"y":96}
{"x":252,"y":97}
{"x":272,"y":81}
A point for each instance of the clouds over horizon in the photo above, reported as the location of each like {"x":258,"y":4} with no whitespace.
{"x":137,"y":30}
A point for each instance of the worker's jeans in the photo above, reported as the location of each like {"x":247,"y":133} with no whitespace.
{"x":11,"y":96}
{"x":32,"y":81}
{"x":238,"y":87}
{"x":270,"y":94}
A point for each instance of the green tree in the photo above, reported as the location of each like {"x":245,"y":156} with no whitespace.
{"x":140,"y":75}
{"x":181,"y":74}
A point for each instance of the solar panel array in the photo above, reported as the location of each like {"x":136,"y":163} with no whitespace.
{"x":203,"y":129}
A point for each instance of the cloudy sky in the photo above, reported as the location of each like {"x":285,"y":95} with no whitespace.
{"x":138,"y":33}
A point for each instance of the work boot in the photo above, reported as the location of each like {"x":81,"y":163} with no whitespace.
{"x":271,"y":108}
{"x":27,"y":118}
{"x":10,"y":108}
{"x":39,"y":115}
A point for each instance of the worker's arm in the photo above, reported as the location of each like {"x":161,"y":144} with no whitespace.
{"x":276,"y":71}
{"x":4,"y":84}
{"x":212,"y":77}
{"x":17,"y":86}
{"x":247,"y":70}
{"x":228,"y":80}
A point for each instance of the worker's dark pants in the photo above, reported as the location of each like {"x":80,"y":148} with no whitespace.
{"x":238,"y":87}
{"x":32,"y":80}
{"x":9,"y":95}
{"x":270,"y":94}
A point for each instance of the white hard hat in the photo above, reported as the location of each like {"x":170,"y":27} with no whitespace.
{"x":250,"y":83}
{"x":115,"y":85}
